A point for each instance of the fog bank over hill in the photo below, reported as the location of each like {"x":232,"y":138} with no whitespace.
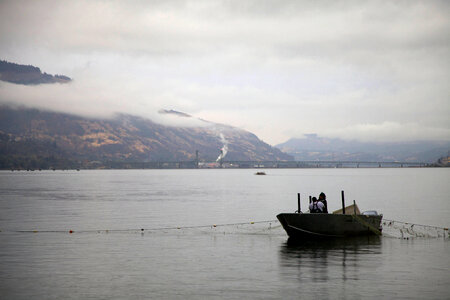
{"x":68,"y":105}
{"x":314,"y":147}
{"x":26,"y":86}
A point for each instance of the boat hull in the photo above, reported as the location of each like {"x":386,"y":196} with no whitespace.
{"x":307,"y":226}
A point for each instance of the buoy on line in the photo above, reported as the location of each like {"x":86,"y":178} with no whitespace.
{"x":252,"y":222}
{"x":70,"y":231}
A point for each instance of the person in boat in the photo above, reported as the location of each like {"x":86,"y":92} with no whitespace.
{"x":316,"y":206}
{"x":323,"y":199}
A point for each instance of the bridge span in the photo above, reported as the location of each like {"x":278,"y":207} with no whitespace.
{"x":228,"y":164}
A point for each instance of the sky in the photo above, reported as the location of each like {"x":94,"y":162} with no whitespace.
{"x":356,"y":70}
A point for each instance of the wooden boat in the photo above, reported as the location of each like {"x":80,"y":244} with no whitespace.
{"x":345,"y":222}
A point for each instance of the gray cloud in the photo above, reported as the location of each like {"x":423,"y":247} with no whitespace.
{"x":374,"y":70}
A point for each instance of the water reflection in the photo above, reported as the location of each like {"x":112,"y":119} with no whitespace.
{"x":331,"y":261}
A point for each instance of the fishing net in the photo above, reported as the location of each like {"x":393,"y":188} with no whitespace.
{"x":404,"y":230}
{"x":272,"y":227}
{"x":391,"y":229}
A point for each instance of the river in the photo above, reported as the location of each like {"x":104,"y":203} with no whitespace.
{"x":212,"y":234}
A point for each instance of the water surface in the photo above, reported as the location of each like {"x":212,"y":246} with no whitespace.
{"x":235,"y":261}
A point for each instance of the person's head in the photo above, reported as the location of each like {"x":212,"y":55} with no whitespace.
{"x":314,"y":199}
{"x":322,"y":196}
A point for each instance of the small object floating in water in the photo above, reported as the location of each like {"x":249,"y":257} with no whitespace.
{"x":260,"y":173}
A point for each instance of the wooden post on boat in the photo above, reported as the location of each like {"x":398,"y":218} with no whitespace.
{"x":343,"y":203}
{"x":354,"y":207}
{"x":298,"y":200}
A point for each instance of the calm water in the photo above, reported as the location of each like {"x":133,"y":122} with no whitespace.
{"x":233,"y":262}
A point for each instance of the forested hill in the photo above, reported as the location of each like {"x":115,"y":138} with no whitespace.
{"x":30,"y":138}
{"x":28,"y":75}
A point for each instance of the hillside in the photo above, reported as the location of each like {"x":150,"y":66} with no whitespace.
{"x":313,"y":147}
{"x":30,"y":138}
{"x":27,"y":75}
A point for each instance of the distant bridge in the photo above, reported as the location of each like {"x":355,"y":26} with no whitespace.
{"x":262,"y":164}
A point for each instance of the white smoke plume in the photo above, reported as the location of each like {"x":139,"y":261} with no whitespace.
{"x":224,"y":149}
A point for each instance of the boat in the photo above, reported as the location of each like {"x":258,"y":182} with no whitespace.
{"x":260,"y":173}
{"x":345,"y":222}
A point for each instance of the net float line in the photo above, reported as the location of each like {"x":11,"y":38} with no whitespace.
{"x":404,"y":227}
{"x":140,"y":229}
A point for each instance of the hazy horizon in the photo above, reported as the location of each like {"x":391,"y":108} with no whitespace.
{"x":375,"y":71}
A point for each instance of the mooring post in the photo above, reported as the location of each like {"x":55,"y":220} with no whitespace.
{"x":343,"y":203}
{"x":298,"y":200}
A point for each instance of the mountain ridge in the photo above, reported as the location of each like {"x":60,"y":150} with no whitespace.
{"x":314,"y":147}
{"x":50,"y":138}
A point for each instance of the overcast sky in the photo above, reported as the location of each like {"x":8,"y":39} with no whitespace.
{"x":367,"y":70}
